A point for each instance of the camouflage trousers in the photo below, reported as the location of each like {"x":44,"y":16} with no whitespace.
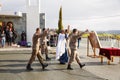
{"x":33,"y":56}
{"x":74,"y":56}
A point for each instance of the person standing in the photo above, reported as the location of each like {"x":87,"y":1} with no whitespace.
{"x":64,"y":58}
{"x":23,"y":36}
{"x":44,"y":47}
{"x":7,"y":34}
{"x":35,"y":50}
{"x":10,"y":37}
{"x":60,"y":45}
{"x":23,"y":39}
{"x":79,"y":39}
{"x":73,"y":48}
{"x":3,"y":39}
{"x":14,"y":36}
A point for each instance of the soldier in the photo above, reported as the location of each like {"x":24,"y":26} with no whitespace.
{"x":73,"y":48}
{"x":35,"y":50}
{"x":44,"y":47}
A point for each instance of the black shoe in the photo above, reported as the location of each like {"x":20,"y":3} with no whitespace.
{"x":82,"y":65}
{"x":69,"y":67}
{"x":62,"y":63}
{"x":29,"y":67}
{"x":44,"y":65}
{"x":48,"y":59}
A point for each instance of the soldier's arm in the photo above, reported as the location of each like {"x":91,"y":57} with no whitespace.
{"x":37,"y":36}
{"x":69,"y":36}
{"x":45,"y":33}
{"x":81,"y":33}
{"x":68,"y":29}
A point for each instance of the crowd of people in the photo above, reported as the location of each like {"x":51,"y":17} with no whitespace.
{"x":7,"y":34}
{"x":66,"y":50}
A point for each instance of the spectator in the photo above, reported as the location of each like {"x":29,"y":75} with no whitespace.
{"x":79,"y":39}
{"x":10,"y":37}
{"x":3,"y":39}
{"x":14,"y":36}
{"x":23,"y":36}
{"x":7,"y":33}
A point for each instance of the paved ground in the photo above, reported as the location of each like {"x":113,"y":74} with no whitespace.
{"x":12,"y":67}
{"x":14,"y":60}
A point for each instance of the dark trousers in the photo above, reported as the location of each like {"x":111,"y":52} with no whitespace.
{"x":10,"y":41}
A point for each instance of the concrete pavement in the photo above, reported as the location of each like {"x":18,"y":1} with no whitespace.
{"x":12,"y":67}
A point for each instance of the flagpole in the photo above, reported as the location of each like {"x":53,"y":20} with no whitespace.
{"x":61,"y":2}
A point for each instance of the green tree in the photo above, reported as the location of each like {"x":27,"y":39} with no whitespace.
{"x":60,"y":24}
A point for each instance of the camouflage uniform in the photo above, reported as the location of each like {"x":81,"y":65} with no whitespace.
{"x":73,"y":47}
{"x":35,"y":49}
{"x":44,"y":47}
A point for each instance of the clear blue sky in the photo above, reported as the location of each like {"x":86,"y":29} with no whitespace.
{"x":81,"y":14}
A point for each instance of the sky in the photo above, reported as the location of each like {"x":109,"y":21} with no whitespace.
{"x":81,"y":14}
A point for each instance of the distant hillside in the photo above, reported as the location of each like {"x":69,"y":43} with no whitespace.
{"x":110,"y":31}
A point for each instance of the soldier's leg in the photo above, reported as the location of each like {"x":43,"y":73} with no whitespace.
{"x":42,"y":49}
{"x":78,"y":61}
{"x":69,"y":52}
{"x":46,"y":53}
{"x":40,"y":58}
{"x":72,"y":57}
{"x":32,"y":58}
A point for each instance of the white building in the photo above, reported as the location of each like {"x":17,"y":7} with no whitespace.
{"x":33,"y":10}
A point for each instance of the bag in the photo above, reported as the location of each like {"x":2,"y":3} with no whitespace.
{"x":64,"y":58}
{"x":23,"y":43}
{"x":29,"y":44}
